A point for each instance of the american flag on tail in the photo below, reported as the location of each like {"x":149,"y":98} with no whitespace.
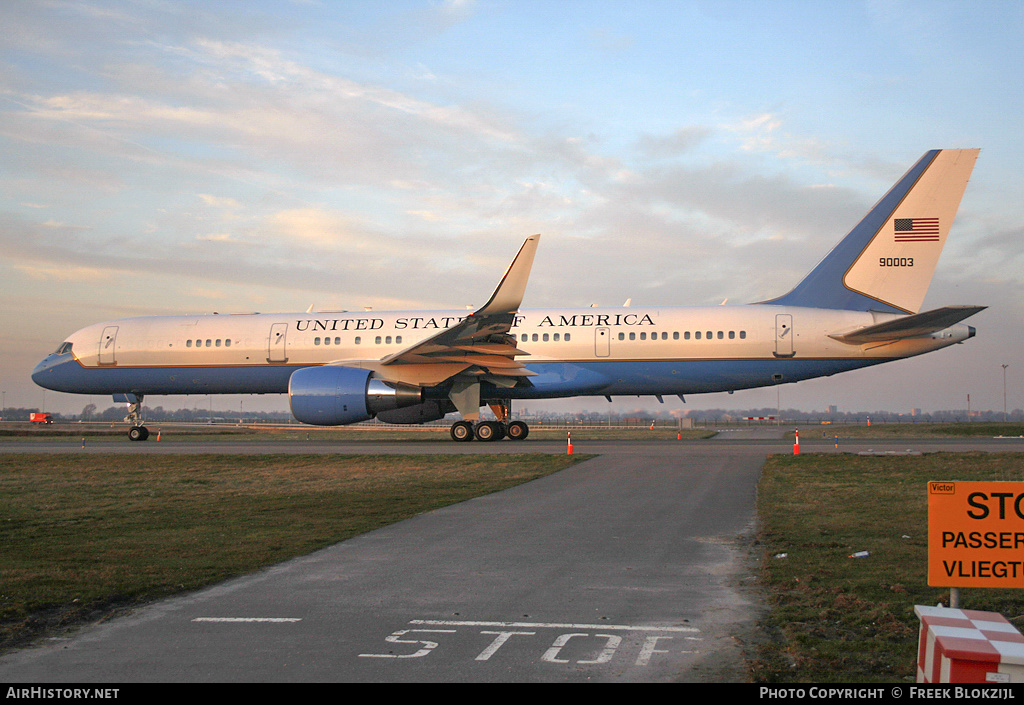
{"x":916,"y":229}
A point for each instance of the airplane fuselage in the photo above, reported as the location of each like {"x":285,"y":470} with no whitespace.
{"x":859,"y":306}
{"x":584,"y":351}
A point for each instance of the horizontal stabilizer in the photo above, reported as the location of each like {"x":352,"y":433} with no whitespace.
{"x":914,"y":326}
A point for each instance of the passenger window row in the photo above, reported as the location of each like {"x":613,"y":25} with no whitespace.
{"x":643,"y":335}
{"x":543,"y":337}
{"x":386,"y":340}
{"x":209,"y":343}
{"x":525,"y":337}
{"x":686,"y":335}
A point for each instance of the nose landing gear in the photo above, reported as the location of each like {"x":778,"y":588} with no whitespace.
{"x":138,"y":432}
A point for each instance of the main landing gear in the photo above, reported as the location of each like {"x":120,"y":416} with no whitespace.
{"x":465,"y":431}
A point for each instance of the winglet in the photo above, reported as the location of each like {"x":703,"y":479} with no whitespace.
{"x":510,"y":290}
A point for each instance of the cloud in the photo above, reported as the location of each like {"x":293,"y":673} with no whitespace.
{"x":679,"y":142}
{"x":220,"y":201}
{"x":319,"y":227}
{"x":62,"y":273}
{"x":442,"y":15}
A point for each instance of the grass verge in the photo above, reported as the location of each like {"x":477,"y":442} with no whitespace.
{"x":913,"y":430}
{"x":840,"y":619}
{"x":83,"y":536}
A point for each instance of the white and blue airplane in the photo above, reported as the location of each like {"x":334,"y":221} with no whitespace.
{"x":858,"y":307}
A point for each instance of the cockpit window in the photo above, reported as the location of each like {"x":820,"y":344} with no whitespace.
{"x":64,"y":348}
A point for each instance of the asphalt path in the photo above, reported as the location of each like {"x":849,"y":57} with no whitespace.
{"x":629,"y":567}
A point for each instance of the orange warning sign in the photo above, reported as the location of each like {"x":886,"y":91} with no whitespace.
{"x":976,"y":534}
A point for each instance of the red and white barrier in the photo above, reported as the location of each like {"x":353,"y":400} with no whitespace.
{"x":968,"y":646}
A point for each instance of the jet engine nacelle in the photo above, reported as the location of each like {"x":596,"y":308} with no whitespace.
{"x":334,"y":396}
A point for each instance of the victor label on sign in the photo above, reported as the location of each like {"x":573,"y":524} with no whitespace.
{"x":976,"y":534}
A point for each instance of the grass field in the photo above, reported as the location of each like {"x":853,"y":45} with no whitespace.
{"x":841,"y":619}
{"x":84,"y":535}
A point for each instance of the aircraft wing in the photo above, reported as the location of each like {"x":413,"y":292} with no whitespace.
{"x":479,"y":345}
{"x":913,"y":326}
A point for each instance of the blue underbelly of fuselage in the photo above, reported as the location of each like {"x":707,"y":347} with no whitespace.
{"x":552,"y":379}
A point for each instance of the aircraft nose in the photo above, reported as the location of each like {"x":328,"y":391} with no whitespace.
{"x":45,"y":373}
{"x":39,"y":373}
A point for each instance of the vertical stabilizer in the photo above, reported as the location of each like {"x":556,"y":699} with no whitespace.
{"x":887,"y":261}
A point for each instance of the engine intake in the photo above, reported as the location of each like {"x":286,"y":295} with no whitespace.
{"x":335,"y":396}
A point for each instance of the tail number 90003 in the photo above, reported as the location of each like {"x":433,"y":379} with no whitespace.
{"x":895,"y":261}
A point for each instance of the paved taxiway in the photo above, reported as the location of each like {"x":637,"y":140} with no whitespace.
{"x":627,"y":567}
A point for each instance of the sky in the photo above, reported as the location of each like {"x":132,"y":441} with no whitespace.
{"x":168,"y":157}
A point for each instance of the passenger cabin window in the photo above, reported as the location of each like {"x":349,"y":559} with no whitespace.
{"x":676,"y":335}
